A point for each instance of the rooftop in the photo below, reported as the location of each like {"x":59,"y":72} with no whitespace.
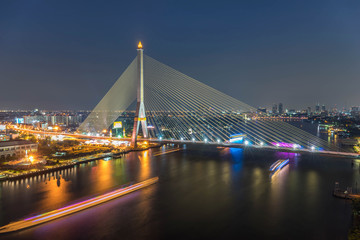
{"x":15,"y":143}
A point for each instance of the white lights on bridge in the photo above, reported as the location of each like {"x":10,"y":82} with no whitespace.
{"x":261,"y":143}
{"x":193,"y":139}
{"x":312,"y":148}
{"x":160,"y":138}
{"x":246,"y":142}
{"x":205,"y":140}
{"x":181,"y":139}
{"x":218,"y":140}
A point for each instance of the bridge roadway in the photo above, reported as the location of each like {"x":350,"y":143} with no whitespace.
{"x":216,"y":144}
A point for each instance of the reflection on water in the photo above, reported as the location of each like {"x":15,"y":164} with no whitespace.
{"x":56,"y":192}
{"x":206,"y":193}
{"x":144,"y":165}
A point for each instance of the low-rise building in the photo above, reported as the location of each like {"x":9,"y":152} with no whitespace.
{"x":16,"y":148}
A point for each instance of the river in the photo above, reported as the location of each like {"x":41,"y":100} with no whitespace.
{"x":206,"y":193}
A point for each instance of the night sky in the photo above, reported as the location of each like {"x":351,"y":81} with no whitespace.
{"x":67,"y":54}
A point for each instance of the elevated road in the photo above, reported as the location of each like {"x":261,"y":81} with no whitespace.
{"x":215,"y":144}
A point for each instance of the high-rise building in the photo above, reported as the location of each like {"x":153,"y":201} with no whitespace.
{"x":261,"y":109}
{"x":274,"y":109}
{"x":355,"y":111}
{"x":323,"y":109}
{"x":308,"y":111}
{"x":281,"y":110}
{"x":317,"y":108}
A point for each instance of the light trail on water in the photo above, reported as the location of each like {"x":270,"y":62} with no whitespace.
{"x":61,"y":212}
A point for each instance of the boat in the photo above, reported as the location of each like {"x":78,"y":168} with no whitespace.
{"x":345,"y":194}
{"x":278,"y":165}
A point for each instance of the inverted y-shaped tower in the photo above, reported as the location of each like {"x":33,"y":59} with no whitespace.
{"x":140,"y":117}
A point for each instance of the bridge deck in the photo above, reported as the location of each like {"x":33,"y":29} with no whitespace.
{"x":265,"y":147}
{"x":218,"y":144}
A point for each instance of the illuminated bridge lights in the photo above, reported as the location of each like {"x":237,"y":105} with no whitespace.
{"x":286,"y":145}
{"x":61,"y":212}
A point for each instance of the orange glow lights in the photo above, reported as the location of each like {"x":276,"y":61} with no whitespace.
{"x":140,"y":46}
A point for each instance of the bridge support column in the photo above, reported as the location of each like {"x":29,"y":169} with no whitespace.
{"x":140,"y":117}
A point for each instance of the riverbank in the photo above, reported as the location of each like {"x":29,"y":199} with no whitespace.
{"x":354,"y":232}
{"x":70,"y":163}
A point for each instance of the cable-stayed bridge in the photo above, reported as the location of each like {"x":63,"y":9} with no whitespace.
{"x":173,"y":107}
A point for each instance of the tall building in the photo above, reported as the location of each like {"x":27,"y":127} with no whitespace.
{"x":308,"y":111}
{"x":261,"y":109}
{"x":355,"y":111}
{"x":317,"y":108}
{"x":323,"y":109}
{"x":274,"y":109}
{"x":34,"y":119}
{"x":281,"y":110}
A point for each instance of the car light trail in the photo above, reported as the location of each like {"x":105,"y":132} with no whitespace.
{"x":61,"y":212}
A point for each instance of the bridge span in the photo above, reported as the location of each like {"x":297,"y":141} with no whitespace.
{"x":261,"y":147}
{"x":205,"y":143}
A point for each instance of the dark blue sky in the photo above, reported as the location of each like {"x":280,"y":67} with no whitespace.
{"x":67,"y":54}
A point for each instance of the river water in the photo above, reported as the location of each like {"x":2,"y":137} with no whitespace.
{"x":202,"y":193}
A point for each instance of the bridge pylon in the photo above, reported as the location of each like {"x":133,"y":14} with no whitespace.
{"x":140,"y":117}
